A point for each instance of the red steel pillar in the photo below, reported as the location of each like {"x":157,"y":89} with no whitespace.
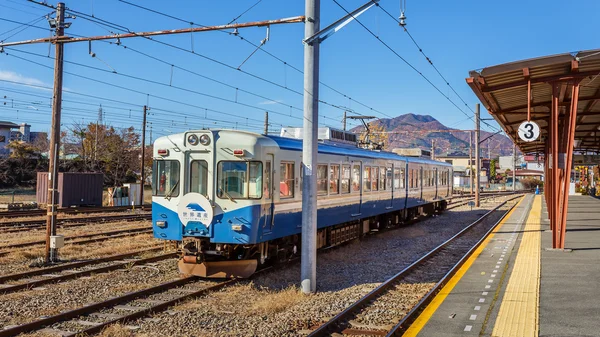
{"x":571,"y":125}
{"x":554,"y":153}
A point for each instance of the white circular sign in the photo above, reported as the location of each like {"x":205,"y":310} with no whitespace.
{"x":194,"y":207}
{"x":529,"y":131}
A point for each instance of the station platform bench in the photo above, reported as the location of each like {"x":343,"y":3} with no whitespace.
{"x":514,"y":286}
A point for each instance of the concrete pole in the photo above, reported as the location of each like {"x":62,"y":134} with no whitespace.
{"x":142,"y":171}
{"x":266,"y":123}
{"x":433,"y":149}
{"x":471,"y":161}
{"x":308,"y":268}
{"x":477,"y":154}
{"x":54,"y":148}
{"x":344,"y":122}
{"x":514,"y":167}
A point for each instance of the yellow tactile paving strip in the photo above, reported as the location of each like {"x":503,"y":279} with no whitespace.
{"x":518,"y":316}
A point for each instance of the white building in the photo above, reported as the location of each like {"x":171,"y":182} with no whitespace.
{"x":5,"y":136}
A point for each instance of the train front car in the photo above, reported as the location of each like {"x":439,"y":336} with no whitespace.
{"x":207,"y":195}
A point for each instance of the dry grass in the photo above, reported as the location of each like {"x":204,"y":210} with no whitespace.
{"x":20,"y":260}
{"x":272,"y":302}
{"x":92,"y":228}
{"x":116,"y":330}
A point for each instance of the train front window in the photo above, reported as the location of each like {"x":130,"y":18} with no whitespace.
{"x":165,"y":178}
{"x":199,"y":177}
{"x":239,"y":180}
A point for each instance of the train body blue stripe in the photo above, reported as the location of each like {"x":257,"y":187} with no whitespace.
{"x":254,"y":225}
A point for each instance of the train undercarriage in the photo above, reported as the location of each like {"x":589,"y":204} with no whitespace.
{"x":202,"y":258}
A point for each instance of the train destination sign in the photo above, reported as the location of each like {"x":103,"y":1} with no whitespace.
{"x":529,"y":131}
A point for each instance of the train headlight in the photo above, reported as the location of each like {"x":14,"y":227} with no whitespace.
{"x":204,"y":140}
{"x":161,"y":224}
{"x":192,"y":139}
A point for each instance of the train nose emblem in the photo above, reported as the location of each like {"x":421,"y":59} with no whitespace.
{"x":194,"y":207}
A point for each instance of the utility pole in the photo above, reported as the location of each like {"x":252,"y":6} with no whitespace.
{"x":471,"y":161}
{"x":433,"y":149}
{"x":308,"y":268}
{"x":344,"y":122}
{"x":266,"y":123}
{"x":142,"y":175}
{"x":477,"y":156}
{"x":514,"y":173}
{"x":54,"y":150}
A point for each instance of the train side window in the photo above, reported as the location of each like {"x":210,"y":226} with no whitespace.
{"x":286,"y":181}
{"x":366,"y":179}
{"x":321,"y":179}
{"x":199,"y":177}
{"x":355,"y":178}
{"x":267,"y":185}
{"x":410,"y":178}
{"x":345,"y":179}
{"x":334,"y":179}
{"x":382,"y":178}
{"x":397,"y":185}
{"x":374,"y":178}
{"x":166,"y":178}
{"x":389,"y":178}
{"x":402,"y":178}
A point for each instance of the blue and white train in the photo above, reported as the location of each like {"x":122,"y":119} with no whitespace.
{"x":232,"y":199}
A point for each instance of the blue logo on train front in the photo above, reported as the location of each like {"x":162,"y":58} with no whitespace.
{"x":194,"y":207}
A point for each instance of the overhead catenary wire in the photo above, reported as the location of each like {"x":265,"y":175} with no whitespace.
{"x":285,"y":63}
{"x":430,"y":61}
{"x":404,"y":60}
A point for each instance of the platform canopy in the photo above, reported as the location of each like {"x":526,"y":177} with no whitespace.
{"x":560,"y":93}
{"x":507,"y":90}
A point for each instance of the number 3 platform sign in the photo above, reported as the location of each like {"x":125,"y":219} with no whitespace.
{"x":529,"y":131}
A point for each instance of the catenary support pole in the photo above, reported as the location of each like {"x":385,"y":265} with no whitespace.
{"x":266,"y":123}
{"x":477,"y":154}
{"x":471,"y":161}
{"x":54,"y":148}
{"x":309,"y":150}
{"x":514,"y":167}
{"x":433,"y":149}
{"x":344,"y":122}
{"x":142,"y":171}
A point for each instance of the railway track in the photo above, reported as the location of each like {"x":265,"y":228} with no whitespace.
{"x":65,"y":272}
{"x":80,"y":239}
{"x":347,"y":321}
{"x":93,"y":318}
{"x":486,"y":197}
{"x":76,"y":210}
{"x":25,"y":225}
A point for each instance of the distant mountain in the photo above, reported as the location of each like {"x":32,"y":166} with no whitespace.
{"x":412,"y":130}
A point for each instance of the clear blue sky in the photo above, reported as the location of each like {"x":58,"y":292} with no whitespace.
{"x":457,"y":35}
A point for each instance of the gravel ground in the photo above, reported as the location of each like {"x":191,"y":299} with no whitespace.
{"x":22,"y":307}
{"x":70,"y":216}
{"x":271,"y":304}
{"x":21,"y":260}
{"x":40,"y":234}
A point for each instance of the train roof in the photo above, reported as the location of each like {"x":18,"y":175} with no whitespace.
{"x":345,"y":150}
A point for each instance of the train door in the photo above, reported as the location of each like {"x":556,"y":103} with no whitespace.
{"x":268,"y":206}
{"x":420,"y":180}
{"x":436,"y":177}
{"x":389,"y":182}
{"x":356,"y":189}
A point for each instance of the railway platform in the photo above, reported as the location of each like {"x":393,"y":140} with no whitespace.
{"x":514,"y":285}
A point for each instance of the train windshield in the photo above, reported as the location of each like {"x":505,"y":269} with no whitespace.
{"x":165,"y":181}
{"x":239,"y":180}
{"x":199,"y":177}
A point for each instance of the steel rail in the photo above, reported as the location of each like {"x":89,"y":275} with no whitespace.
{"x":78,"y":264}
{"x":413,"y":314}
{"x":336,"y":323}
{"x":5,"y":289}
{"x":103,"y":218}
{"x":46,"y":321}
{"x":72,"y":239}
{"x":76,"y":210}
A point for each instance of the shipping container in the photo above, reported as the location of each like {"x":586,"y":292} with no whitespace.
{"x":74,"y":189}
